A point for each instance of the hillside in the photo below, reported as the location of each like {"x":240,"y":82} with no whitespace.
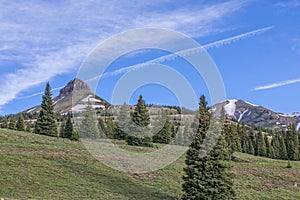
{"x":40,"y":167}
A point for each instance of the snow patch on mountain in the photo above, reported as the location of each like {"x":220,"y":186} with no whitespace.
{"x":32,"y":109}
{"x":230,"y":107}
{"x":91,"y":99}
{"x":294,"y":114}
{"x":298,"y":127}
{"x":81,"y":107}
{"x":241,"y":116}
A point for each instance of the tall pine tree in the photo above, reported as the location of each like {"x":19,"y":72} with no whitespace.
{"x":275,"y":145}
{"x":261,"y":144}
{"x":68,"y":129}
{"x":282,"y":147}
{"x":88,"y":126}
{"x":292,"y":143}
{"x":141,"y":120}
{"x":12,"y":123}
{"x":20,"y":123}
{"x":122,"y":121}
{"x":164,"y":136}
{"x":46,"y":121}
{"x":4,"y":123}
{"x":207,"y":177}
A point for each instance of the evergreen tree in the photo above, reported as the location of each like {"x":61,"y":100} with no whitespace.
{"x":28,"y":128}
{"x":261,"y":145}
{"x":235,"y":139}
{"x":245,"y":146}
{"x":244,"y":137}
{"x":270,"y":151}
{"x":46,"y":121}
{"x":88,"y":127}
{"x":141,"y":120}
{"x":275,"y":145}
{"x":62,"y":128}
{"x":251,"y":148}
{"x":252,"y":141}
{"x":282,"y":148}
{"x":110,"y":128}
{"x":102,"y":128}
{"x":164,"y":136}
{"x":292,"y":143}
{"x":232,"y":137}
{"x":122,"y":122}
{"x":141,"y":116}
{"x":20,"y":123}
{"x":12,"y":123}
{"x":68,"y":129}
{"x":74,"y":136}
{"x":4,"y":123}
{"x":207,"y":177}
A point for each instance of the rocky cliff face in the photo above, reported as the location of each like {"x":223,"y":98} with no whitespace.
{"x":74,"y":86}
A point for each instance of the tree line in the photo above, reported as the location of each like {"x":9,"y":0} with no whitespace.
{"x":132,"y":126}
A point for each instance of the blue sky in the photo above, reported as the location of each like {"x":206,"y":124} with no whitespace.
{"x":255,"y":45}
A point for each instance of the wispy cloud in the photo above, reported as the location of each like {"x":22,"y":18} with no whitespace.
{"x":277,"y":84}
{"x":216,"y":44}
{"x":49,"y":38}
{"x":294,"y":3}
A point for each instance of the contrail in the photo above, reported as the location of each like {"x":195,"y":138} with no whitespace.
{"x":277,"y":84}
{"x":216,"y":44}
{"x":39,"y":93}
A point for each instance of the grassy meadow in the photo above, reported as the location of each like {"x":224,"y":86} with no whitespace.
{"x":40,"y":167}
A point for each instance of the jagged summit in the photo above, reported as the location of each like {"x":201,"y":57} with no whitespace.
{"x":73,"y":98}
{"x":74,"y":85}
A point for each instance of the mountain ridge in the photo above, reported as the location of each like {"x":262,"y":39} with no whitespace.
{"x":243,"y":111}
{"x":75,"y":96}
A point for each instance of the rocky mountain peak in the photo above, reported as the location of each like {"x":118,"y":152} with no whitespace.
{"x":73,"y":86}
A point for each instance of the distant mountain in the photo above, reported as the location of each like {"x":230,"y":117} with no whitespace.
{"x":251,"y":114}
{"x":74,"y":97}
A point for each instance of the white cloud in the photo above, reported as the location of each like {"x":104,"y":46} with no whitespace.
{"x":277,"y":84}
{"x":49,"y":38}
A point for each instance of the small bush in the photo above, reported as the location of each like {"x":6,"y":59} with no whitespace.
{"x":289,"y":165}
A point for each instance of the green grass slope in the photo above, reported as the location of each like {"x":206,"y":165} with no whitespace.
{"x":41,"y":167}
